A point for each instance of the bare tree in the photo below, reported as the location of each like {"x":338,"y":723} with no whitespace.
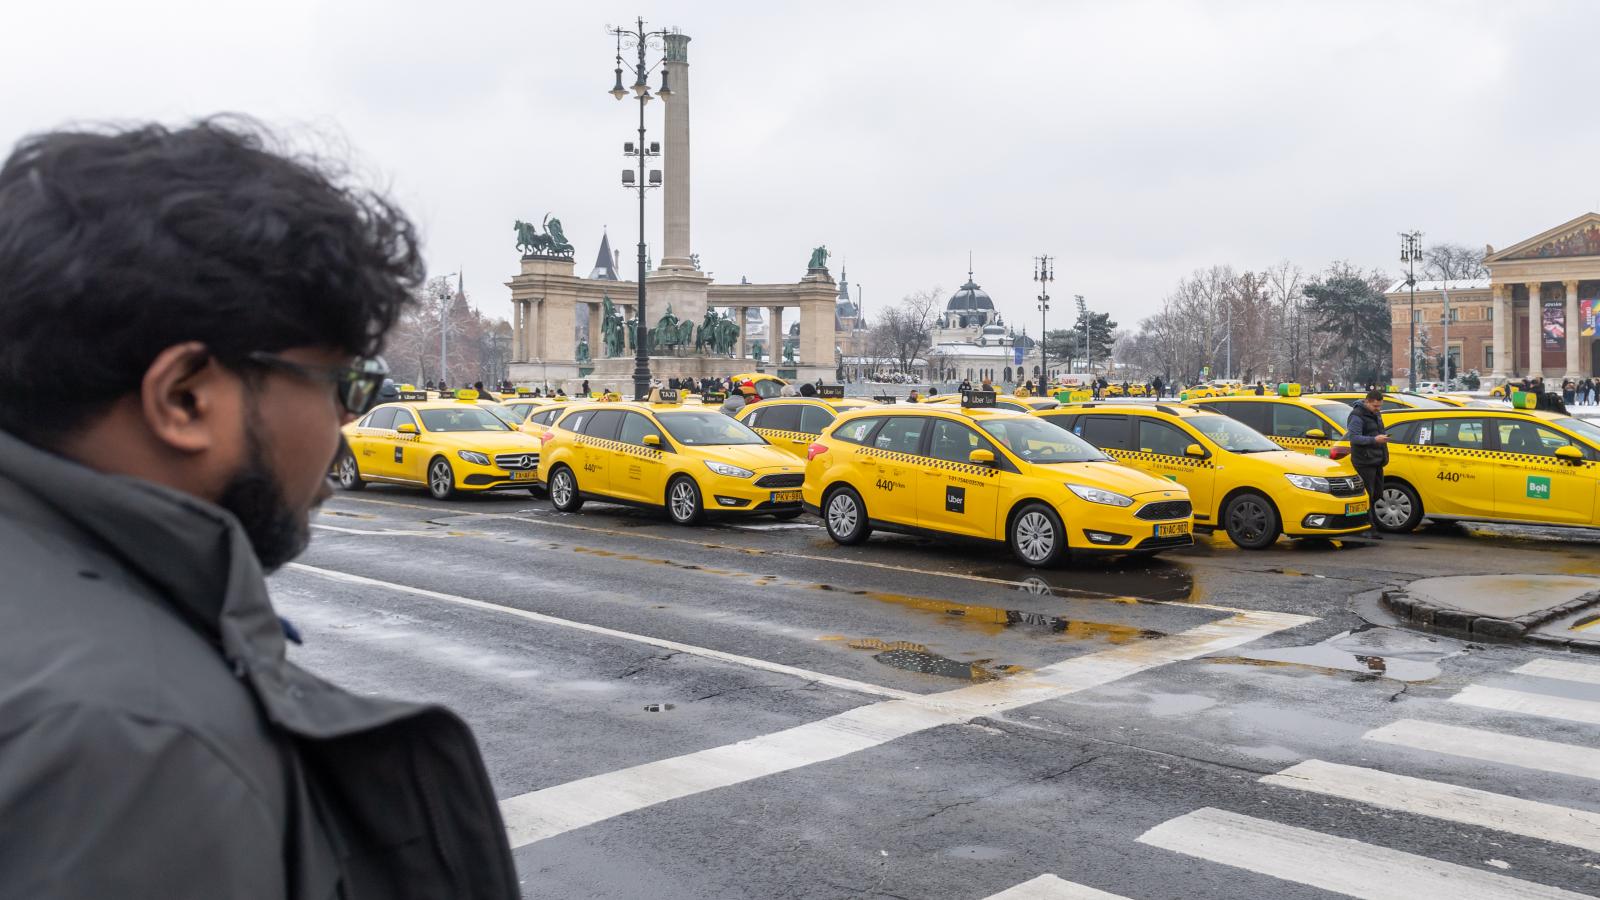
{"x":1453,"y":262}
{"x":903,"y":332}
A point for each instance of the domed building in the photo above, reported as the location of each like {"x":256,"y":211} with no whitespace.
{"x":972,"y":342}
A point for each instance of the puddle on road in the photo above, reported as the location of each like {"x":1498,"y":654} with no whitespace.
{"x":1371,"y":653}
{"x":918,"y":658}
{"x":994,"y":619}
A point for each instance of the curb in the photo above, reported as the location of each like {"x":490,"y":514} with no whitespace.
{"x":1449,"y":620}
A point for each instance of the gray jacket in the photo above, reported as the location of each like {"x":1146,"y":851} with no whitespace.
{"x":154,"y":741}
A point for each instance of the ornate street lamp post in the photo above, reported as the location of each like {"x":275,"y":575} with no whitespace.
{"x":1044,"y":272}
{"x":1410,"y":252}
{"x":638,"y":39}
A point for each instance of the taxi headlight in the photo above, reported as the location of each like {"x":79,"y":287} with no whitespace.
{"x":474,"y":457}
{"x":1310,"y":483}
{"x":1096,"y":495}
{"x":729,"y":471}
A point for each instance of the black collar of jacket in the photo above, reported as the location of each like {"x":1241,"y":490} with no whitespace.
{"x":197,"y":558}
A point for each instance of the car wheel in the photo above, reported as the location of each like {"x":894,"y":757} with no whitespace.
{"x":1251,"y":521}
{"x":441,"y":479}
{"x":348,"y":473}
{"x":787,"y":514}
{"x":564,"y":494}
{"x":683,"y":501}
{"x":1399,"y":508}
{"x":1037,"y":537}
{"x":845,"y":516}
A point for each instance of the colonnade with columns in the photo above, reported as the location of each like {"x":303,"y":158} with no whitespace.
{"x":1503,"y":301}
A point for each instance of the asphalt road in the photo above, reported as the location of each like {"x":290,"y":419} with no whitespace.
{"x":747,"y":710}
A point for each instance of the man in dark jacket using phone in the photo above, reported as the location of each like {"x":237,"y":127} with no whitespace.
{"x":1369,"y":450}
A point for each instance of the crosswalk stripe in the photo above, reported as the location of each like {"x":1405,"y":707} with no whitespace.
{"x":1491,"y":746}
{"x":547,"y":812}
{"x":1340,"y":865}
{"x":1468,"y":806}
{"x":1560,"y":668}
{"x":1049,"y":887}
{"x":1586,"y":711}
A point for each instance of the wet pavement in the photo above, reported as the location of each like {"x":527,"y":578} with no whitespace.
{"x":747,"y":710}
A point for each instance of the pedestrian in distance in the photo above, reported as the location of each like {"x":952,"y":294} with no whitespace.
{"x":483,"y":392}
{"x":586,"y":387}
{"x":1369,"y":450}
{"x":1158,"y":386}
{"x":187,"y":317}
{"x":808,"y":389}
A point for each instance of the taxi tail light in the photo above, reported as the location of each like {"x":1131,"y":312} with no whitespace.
{"x":547,"y":437}
{"x":815,"y":450}
{"x":1338,"y":452}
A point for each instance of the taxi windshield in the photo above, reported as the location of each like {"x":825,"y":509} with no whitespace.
{"x":1581,"y":427}
{"x":464,"y":418}
{"x":505,"y":413}
{"x":707,"y":429}
{"x":1037,"y":441}
{"x":1231,"y":434}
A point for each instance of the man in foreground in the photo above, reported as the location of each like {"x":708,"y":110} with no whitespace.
{"x":186,"y":320}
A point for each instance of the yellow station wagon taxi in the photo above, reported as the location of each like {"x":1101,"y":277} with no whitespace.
{"x":792,"y":423}
{"x":1503,"y":465}
{"x":1238,"y":480}
{"x":1303,"y":424}
{"x":974,"y":471}
{"x":444,"y":445}
{"x":690,"y":460}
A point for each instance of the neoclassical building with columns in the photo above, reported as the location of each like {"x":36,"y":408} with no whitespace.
{"x":1533,"y":316}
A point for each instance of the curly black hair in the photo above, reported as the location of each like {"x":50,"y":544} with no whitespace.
{"x":116,"y":244}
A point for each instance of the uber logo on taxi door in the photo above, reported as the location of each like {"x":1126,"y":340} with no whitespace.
{"x":955,"y":499}
{"x":1538,"y":487}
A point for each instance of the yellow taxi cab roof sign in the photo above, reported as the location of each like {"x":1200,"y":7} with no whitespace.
{"x":467,"y":395}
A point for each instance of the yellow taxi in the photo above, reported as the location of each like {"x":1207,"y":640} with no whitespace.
{"x":1392,"y":400}
{"x":1305,"y":424}
{"x":1212,"y":389}
{"x":690,"y":460}
{"x":767,"y":386}
{"x":1238,"y":480}
{"x":1502,"y":465}
{"x":792,"y":423}
{"x":444,"y":445}
{"x":980,"y":472}
{"x":1008,"y":402}
{"x":1132,"y":389}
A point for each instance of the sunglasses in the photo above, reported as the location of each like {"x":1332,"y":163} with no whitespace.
{"x":356,"y":385}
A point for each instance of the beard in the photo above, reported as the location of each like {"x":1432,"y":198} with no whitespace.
{"x":277,"y":532}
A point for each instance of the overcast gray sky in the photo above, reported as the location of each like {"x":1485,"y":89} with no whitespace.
{"x":1134,"y":141}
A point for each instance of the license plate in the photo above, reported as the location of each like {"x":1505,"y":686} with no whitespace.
{"x":1173,"y":529}
{"x":785,"y":496}
{"x":1351,"y":509}
{"x":524,"y":476}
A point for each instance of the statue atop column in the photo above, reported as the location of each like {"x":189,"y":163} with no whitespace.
{"x":819,"y":259}
{"x":552,"y":243}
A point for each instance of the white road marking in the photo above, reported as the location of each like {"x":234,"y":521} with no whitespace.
{"x":1468,"y":806}
{"x":554,"y":810}
{"x":1586,"y":711}
{"x":839,"y":560}
{"x":773,"y":526}
{"x":1336,"y":864}
{"x":1491,"y":746}
{"x":1049,"y":887}
{"x":750,"y":662}
{"x":1557,"y":668}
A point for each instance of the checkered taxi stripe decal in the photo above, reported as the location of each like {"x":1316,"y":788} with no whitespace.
{"x":1164,"y":459}
{"x":619,"y":447}
{"x":773,"y":434}
{"x":912,"y":459}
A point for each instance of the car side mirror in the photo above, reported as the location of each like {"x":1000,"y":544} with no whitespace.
{"x":1194,"y":451}
{"x":1317,"y":434}
{"x":652,"y":440}
{"x":981,"y":457}
{"x":406,"y":428}
{"x":1569,"y":453}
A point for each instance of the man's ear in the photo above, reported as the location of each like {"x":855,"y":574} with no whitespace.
{"x":180,"y":396}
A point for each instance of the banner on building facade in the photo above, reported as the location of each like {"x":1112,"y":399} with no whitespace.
{"x":1586,"y":311}
{"x":1555,"y":326}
